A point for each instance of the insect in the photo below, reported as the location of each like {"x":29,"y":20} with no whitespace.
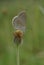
{"x":18,"y":23}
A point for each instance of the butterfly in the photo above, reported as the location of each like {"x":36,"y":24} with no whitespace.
{"x":19,"y":21}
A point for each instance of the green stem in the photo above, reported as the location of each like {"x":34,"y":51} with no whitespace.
{"x":18,"y":55}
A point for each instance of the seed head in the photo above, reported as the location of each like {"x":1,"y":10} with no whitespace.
{"x":18,"y":35}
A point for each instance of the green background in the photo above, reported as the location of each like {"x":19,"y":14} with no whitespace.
{"x":32,"y":50}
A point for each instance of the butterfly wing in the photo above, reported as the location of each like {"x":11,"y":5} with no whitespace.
{"x":15,"y":22}
{"x":22,"y":16}
{"x":19,"y":21}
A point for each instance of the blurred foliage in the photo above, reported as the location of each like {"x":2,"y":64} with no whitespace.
{"x":32,"y":50}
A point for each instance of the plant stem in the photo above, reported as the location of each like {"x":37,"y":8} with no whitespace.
{"x":18,"y":55}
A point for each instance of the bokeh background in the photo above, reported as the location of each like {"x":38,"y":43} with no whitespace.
{"x":32,"y":50}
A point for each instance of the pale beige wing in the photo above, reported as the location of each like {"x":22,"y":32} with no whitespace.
{"x":19,"y":21}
